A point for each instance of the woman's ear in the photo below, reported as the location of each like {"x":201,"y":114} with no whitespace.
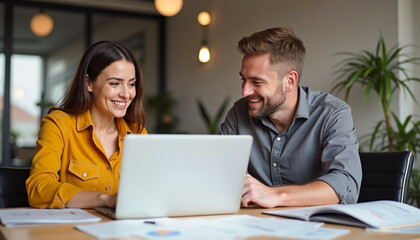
{"x":88,"y":83}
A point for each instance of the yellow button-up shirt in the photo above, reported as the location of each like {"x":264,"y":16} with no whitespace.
{"x":69,"y":158}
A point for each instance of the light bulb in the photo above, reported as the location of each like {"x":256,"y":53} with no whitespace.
{"x":204,"y":18}
{"x":168,"y":8}
{"x":42,"y":24}
{"x":204,"y":54}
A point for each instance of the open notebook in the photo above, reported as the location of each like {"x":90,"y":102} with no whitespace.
{"x":180,"y":175}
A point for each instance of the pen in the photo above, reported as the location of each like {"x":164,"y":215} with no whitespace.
{"x":150,"y":222}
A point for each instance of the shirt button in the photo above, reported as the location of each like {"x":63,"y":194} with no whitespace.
{"x":108,"y":168}
{"x":274,"y":164}
{"x":278,"y":138}
{"x":107,"y":188}
{"x":84,"y":174}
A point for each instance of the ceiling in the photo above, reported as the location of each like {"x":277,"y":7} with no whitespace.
{"x":144,"y":6}
{"x":68,"y":24}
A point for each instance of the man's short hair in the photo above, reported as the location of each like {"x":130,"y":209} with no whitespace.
{"x":284,"y":46}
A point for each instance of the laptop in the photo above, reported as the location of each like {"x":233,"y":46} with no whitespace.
{"x":164,"y":175}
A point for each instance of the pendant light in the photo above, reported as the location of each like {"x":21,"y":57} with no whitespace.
{"x":204,"y":20}
{"x":168,"y":8}
{"x":42,"y":24}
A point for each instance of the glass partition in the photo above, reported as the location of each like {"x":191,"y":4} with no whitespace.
{"x":1,"y":28}
{"x":41,"y":67}
{"x":141,"y":36}
{"x":1,"y":76}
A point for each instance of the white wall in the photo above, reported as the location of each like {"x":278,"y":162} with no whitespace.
{"x":416,"y":52}
{"x":325,"y":26}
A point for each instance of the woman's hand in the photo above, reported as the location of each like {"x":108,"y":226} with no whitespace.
{"x":86,"y":199}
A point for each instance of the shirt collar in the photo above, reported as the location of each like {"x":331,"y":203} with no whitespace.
{"x":302,"y":110}
{"x":123,"y":128}
{"x":84,"y":120}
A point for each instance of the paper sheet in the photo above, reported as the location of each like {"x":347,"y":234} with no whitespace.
{"x":119,"y":228}
{"x":410,"y":230}
{"x":11,"y":217}
{"x":240,"y":226}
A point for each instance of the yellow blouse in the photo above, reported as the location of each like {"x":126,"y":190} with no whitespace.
{"x":69,"y":158}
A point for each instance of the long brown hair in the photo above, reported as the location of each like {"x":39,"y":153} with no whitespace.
{"x":97,"y":57}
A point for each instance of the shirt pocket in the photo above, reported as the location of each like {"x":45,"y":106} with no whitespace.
{"x":83,"y":175}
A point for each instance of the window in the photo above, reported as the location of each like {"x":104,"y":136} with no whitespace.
{"x":41,"y":67}
{"x":1,"y":76}
{"x":25,"y":93}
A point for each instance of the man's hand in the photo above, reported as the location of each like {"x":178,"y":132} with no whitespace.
{"x":255,"y":192}
{"x":310,"y":194}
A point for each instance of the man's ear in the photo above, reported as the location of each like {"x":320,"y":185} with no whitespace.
{"x":291,"y":80}
{"x":88,"y":83}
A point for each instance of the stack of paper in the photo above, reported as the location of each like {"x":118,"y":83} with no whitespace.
{"x":11,"y":217}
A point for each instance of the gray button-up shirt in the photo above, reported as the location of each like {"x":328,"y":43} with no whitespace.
{"x":319,"y":145}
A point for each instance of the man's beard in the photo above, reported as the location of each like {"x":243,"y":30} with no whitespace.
{"x":270,"y":108}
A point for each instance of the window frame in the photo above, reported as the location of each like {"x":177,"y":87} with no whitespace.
{"x":8,"y":7}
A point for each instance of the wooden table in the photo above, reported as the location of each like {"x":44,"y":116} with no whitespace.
{"x":68,"y":232}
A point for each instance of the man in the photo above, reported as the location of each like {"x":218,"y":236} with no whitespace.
{"x":305,"y":151}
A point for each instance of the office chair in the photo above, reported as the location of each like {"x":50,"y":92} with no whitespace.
{"x":386,"y":175}
{"x":12,"y":186}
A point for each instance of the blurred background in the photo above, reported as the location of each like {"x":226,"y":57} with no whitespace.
{"x":183,"y":94}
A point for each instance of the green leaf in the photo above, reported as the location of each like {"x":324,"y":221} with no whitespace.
{"x":382,"y":71}
{"x":212,"y":124}
{"x":222,"y":110}
{"x":204,"y":113}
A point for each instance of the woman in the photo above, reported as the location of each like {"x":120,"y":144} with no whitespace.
{"x":78,"y":153}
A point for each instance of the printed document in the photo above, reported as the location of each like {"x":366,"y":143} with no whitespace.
{"x":376,"y":214}
{"x":12,"y":217}
{"x":232,"y":227}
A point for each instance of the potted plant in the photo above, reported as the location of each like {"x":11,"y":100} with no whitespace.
{"x":162,"y":104}
{"x":212,"y":123}
{"x":380,"y":72}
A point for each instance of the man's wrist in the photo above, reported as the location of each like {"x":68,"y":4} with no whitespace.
{"x":282,"y":196}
